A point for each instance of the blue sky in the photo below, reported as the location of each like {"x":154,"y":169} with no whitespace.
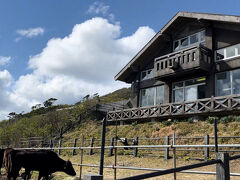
{"x":59,"y":47}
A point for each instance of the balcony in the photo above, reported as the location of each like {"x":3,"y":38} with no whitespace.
{"x":183,"y":62}
{"x":209,"y":106}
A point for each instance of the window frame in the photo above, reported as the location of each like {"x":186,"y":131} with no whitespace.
{"x":237,"y":53}
{"x":188,"y":39}
{"x":184,"y":87}
{"x":155,"y":95}
{"x":231,"y":82}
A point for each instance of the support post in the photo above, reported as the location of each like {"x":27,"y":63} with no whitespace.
{"x":206,"y":149}
{"x":222,"y":169}
{"x":91,"y":145}
{"x":102,"y":146}
{"x":111,"y":149}
{"x":135,"y":142}
{"x":166,"y":154}
{"x":74,"y":145}
{"x":215,"y":135}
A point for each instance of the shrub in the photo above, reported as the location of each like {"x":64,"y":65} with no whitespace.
{"x":211,"y":119}
{"x":190,"y":120}
{"x":167,"y":123}
{"x":237,"y":119}
{"x":226,"y":119}
{"x":175,"y":121}
{"x":134,"y":123}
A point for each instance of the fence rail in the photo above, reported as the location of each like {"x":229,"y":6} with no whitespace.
{"x":207,"y":106}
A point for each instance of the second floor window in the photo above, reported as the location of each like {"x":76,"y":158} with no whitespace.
{"x":228,"y":53}
{"x":189,"y":41}
{"x":148,"y":74}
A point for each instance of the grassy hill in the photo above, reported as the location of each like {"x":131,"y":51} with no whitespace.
{"x":74,"y":121}
{"x":50,"y":122}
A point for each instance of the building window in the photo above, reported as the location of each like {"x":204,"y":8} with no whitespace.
{"x":189,"y":41}
{"x":228,"y":53}
{"x":152,"y":96}
{"x":148,"y":74}
{"x":228,"y":83}
{"x":189,"y":90}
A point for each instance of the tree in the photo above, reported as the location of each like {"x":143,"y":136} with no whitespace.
{"x":37,"y":106}
{"x":12,"y":115}
{"x":86,"y":98}
{"x":49,"y":102}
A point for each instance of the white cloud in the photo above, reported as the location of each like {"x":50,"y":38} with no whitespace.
{"x":30,"y":33}
{"x":98,"y":8}
{"x":5,"y":104}
{"x":84,"y":62}
{"x":4,"y":60}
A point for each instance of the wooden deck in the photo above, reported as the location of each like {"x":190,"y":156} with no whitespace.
{"x":207,"y":106}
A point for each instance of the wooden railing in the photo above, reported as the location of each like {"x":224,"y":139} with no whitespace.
{"x":191,"y":58}
{"x":206,"y":106}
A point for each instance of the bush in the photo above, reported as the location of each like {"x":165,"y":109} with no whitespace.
{"x":226,"y":119}
{"x":134,"y":123}
{"x":211,"y":119}
{"x":237,"y":119}
{"x":175,"y":121}
{"x":167,"y":123}
{"x":190,"y":120}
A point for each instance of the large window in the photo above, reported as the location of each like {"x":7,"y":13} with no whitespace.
{"x":228,"y":53}
{"x":228,"y":83}
{"x":148,"y":74}
{"x":152,"y":96}
{"x":189,"y":90}
{"x":189,"y":41}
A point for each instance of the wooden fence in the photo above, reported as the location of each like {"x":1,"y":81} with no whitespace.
{"x":207,"y":106}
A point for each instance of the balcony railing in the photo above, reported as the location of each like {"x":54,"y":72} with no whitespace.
{"x":207,"y":106}
{"x":196,"y":57}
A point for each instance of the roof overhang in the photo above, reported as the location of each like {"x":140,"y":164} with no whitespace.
{"x":133,"y":65}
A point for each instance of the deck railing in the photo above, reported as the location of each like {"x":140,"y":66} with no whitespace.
{"x":191,"y":58}
{"x":207,"y":106}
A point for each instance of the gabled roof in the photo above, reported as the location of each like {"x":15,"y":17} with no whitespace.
{"x":129,"y":68}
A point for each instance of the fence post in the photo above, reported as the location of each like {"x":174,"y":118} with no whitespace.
{"x":222,"y":169}
{"x":42,"y":143}
{"x":59,"y":146}
{"x":74,"y":145}
{"x":81,"y":159}
{"x":174,"y":156}
{"x":166,"y":154}
{"x":135,"y":142}
{"x":51,"y":144}
{"x":206,"y":149}
{"x":111,"y":149}
{"x":102,"y":146}
{"x":91,"y":145}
